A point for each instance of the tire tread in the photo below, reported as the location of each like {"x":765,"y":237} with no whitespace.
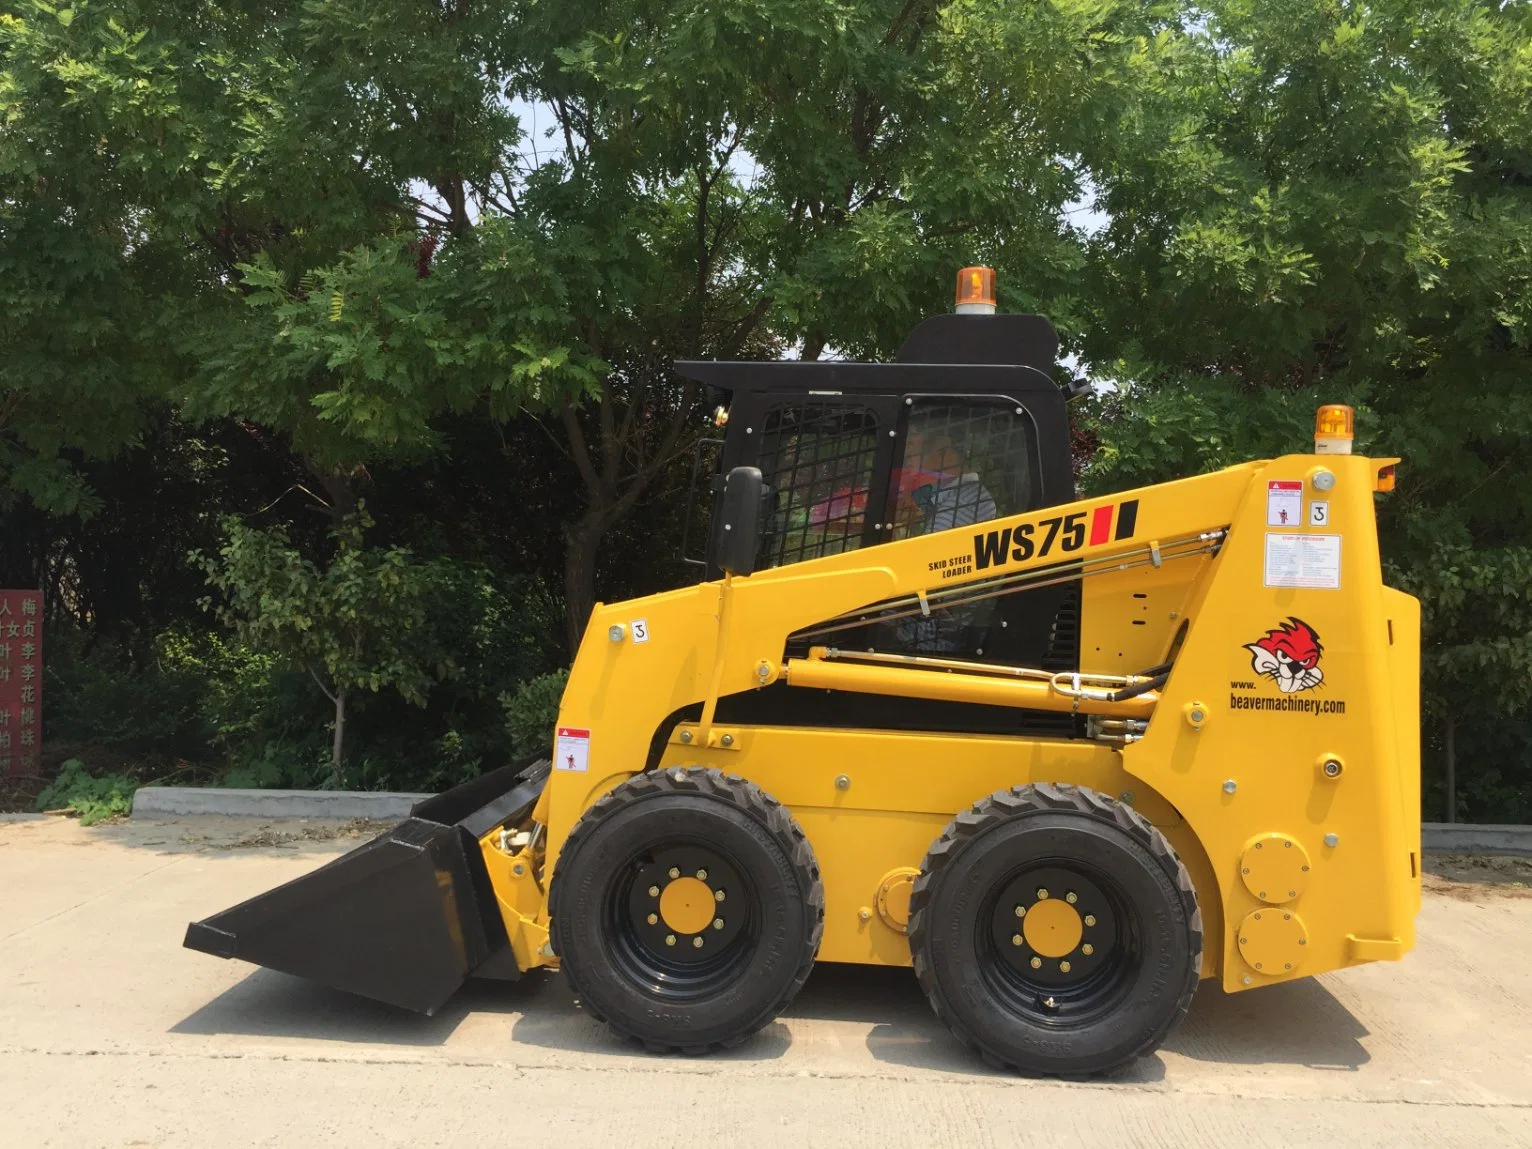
{"x":750,"y":799}
{"x":1049,"y":797}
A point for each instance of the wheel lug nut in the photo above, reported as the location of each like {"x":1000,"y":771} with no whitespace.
{"x":674,"y":873}
{"x":718,"y":923}
{"x":654,"y":891}
{"x":1063,"y":967}
{"x":702,"y":875}
{"x":697,"y":942}
{"x":1071,"y":897}
{"x":1042,"y":895}
{"x":1037,"y":963}
{"x":1021,"y":911}
{"x":653,"y":919}
{"x":1087,"y":949}
{"x":1015,"y":939}
{"x":670,"y":939}
{"x":1090,"y":919}
{"x":718,"y":895}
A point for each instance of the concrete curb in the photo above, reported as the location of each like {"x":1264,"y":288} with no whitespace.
{"x":191,"y":801}
{"x":1457,"y":838}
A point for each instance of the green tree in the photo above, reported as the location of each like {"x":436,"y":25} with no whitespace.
{"x":82,"y":279}
{"x":360,"y":238}
{"x":357,"y":623}
{"x":1313,"y":202}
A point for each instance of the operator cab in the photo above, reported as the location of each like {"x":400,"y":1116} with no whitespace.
{"x":966,"y":425}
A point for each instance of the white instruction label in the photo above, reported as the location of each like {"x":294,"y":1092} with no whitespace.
{"x":1309,"y":561}
{"x":1284,"y":502}
{"x":571,"y":750}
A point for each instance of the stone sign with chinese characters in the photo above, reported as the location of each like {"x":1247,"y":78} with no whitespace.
{"x":21,"y":681}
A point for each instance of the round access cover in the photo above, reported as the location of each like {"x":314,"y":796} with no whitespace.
{"x":1275,"y":868}
{"x":894,"y":898}
{"x":1273,"y":941}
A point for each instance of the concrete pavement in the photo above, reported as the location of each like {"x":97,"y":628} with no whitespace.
{"x":112,"y":1035}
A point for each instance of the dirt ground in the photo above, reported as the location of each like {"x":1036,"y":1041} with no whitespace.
{"x":111,"y":1034}
{"x":1470,"y":876}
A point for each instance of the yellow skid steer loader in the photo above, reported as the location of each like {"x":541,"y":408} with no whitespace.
{"x":1064,"y":757}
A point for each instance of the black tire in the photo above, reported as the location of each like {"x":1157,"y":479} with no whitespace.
{"x":1131,"y":974}
{"x":743,"y":972}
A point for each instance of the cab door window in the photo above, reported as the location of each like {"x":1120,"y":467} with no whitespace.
{"x":964,"y":461}
{"x":818,"y":459}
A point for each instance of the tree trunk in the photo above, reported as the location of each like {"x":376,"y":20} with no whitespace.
{"x":581,"y":544}
{"x":337,"y":747}
{"x":1452,"y":771}
{"x":338,"y":486}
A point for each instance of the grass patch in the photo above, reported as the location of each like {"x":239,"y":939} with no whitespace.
{"x":75,"y":791}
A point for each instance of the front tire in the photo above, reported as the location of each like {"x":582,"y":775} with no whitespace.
{"x":687,"y":909}
{"x":1055,"y":931}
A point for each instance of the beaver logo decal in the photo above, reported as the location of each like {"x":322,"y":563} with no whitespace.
{"x":1289,"y":656}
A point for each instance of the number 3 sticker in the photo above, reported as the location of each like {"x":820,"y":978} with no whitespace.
{"x":640,"y":630}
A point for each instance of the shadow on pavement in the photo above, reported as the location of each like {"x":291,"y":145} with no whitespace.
{"x":545,"y":1013}
{"x":271,"y":1004}
{"x":1297,"y":1023}
{"x":560,"y":1024}
{"x":904,"y":1029}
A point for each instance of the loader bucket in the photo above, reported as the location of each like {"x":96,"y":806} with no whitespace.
{"x":404,"y":919}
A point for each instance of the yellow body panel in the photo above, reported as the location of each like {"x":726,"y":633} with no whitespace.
{"x":1227,"y":759}
{"x":902,"y":790}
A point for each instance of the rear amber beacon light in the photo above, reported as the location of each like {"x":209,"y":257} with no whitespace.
{"x":1333,"y":426}
{"x":976,"y":291}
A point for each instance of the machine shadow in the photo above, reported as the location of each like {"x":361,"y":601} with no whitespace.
{"x":540,"y":1011}
{"x":1295,"y":1023}
{"x":904,"y":1030}
{"x":271,"y":1004}
{"x":1298,"y":1023}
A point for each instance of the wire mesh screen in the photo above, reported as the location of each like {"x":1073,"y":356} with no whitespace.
{"x":818,"y":459}
{"x":965,"y":461}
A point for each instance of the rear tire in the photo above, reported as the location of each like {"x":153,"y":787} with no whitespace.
{"x":687,"y":909}
{"x":1055,"y":931}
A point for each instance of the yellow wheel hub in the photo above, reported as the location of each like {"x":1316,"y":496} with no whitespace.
{"x":1052,"y":928}
{"x":687,"y":905}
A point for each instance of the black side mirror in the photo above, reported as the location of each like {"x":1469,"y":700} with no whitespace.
{"x":737,"y":530}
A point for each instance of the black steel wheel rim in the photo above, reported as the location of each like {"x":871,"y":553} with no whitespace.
{"x":1060,"y":990}
{"x":670,"y":962}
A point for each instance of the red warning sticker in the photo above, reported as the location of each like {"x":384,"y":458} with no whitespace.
{"x":571,"y":750}
{"x":1284,"y":503}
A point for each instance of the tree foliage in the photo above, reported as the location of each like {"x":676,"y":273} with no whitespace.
{"x":359,"y":622}
{"x":275,"y":260}
{"x":1312,"y":202}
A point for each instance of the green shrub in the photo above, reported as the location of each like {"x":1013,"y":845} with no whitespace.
{"x":98,"y":698}
{"x":532,"y":712}
{"x":203,"y":706}
{"x":91,"y":798}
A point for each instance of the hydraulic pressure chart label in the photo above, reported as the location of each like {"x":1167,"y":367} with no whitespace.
{"x":1310,"y":562}
{"x":571,"y":750}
